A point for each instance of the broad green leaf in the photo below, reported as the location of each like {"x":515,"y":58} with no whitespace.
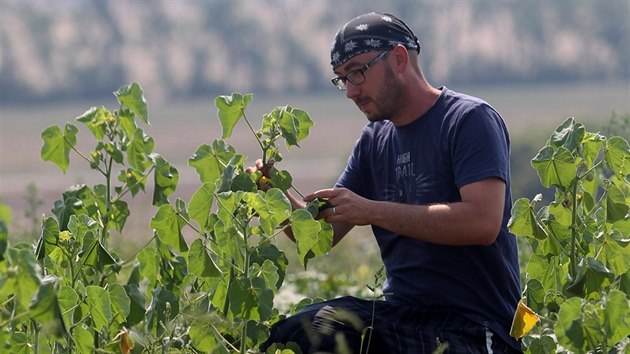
{"x":163,"y":308}
{"x":523,"y":221}
{"x":313,"y":237}
{"x":57,"y":145}
{"x":543,"y":345}
{"x":127,"y":122}
{"x":84,"y":339}
{"x":549,"y":271}
{"x":250,"y":299}
{"x":265,"y":252}
{"x":203,"y":337}
{"x":98,"y":300}
{"x":149,"y":267}
{"x":80,"y":225}
{"x":591,"y":279}
{"x":615,"y":255}
{"x":568,"y":135}
{"x":230,"y":242}
{"x":139,"y":149}
{"x":273,"y":208}
{"x":579,"y":326}
{"x":295,"y":125}
{"x":617,"y":316}
{"x":210,"y":161}
{"x":268,"y":272}
{"x":48,"y":238}
{"x":168,"y":226}
{"x":78,"y":199}
{"x":281,"y":179}
{"x":616,"y":206}
{"x":200,"y":263}
{"x":68,"y":299}
{"x":95,"y":255}
{"x":96,"y":119}
{"x":166,"y":178}
{"x":132,"y":97}
{"x":591,"y":147}
{"x":230,"y":109}
{"x":136,"y":304}
{"x":44,"y":307}
{"x":618,"y":156}
{"x":120,"y":303}
{"x":28,"y":271}
{"x":200,"y":205}
{"x":556,"y":167}
{"x":227,"y":202}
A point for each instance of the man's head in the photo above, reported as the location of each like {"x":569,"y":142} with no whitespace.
{"x":370,"y":32}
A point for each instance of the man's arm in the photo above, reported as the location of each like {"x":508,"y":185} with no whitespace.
{"x":476,"y":220}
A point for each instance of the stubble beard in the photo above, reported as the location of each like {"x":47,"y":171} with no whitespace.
{"x":388,"y":100}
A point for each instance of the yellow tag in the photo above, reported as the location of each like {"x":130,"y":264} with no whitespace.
{"x":524,"y":320}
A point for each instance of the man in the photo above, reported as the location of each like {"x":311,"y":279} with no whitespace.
{"x":430,"y":174}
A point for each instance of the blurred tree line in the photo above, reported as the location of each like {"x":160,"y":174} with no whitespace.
{"x":73,"y":48}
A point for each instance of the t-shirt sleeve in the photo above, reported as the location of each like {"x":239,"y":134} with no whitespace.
{"x":480,"y":147}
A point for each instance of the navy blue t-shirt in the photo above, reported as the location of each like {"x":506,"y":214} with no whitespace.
{"x":460,"y":140}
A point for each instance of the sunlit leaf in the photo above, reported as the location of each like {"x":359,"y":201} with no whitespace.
{"x":98,"y":300}
{"x":83,"y":339}
{"x":616,"y":206}
{"x":120,"y":302}
{"x":230,"y":109}
{"x":96,"y":119}
{"x":149,"y":266}
{"x":44,"y":307}
{"x":168,"y":227}
{"x":555,"y":166}
{"x":524,"y":320}
{"x":250,"y":299}
{"x":201,"y":203}
{"x":210,"y":161}
{"x":617,"y":316}
{"x":313,"y":237}
{"x":618,"y":156}
{"x":200,"y":263}
{"x":68,"y":299}
{"x":568,"y":135}
{"x":273,"y":207}
{"x":268,"y":272}
{"x":523,"y":221}
{"x":166,"y":179}
{"x":139,"y":149}
{"x":132,"y":97}
{"x":57,"y":145}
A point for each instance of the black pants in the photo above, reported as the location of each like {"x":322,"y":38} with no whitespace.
{"x":351,"y":325}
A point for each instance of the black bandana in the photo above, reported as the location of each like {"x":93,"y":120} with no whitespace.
{"x":368,"y":32}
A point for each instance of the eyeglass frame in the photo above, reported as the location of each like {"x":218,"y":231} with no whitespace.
{"x":340,"y":81}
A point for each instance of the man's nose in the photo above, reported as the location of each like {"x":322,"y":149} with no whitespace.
{"x":351,"y":90}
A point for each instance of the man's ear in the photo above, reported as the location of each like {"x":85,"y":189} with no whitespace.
{"x":401,"y":57}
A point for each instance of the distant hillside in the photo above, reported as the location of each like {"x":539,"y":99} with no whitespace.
{"x":71,"y":48}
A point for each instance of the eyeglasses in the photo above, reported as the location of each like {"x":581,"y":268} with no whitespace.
{"x":357,"y":76}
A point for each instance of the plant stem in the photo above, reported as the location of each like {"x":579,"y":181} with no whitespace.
{"x":573,"y":256}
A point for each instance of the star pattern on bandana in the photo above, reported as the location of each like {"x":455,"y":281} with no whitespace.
{"x":387,"y":19}
{"x":411,"y":43}
{"x":350,"y":46}
{"x":362,"y":27}
{"x":373,"y":42}
{"x":335,"y":57}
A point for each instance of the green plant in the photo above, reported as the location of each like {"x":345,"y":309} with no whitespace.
{"x":577,"y":278}
{"x":71,"y":292}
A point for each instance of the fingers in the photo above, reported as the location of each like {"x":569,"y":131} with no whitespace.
{"x":328,"y":193}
